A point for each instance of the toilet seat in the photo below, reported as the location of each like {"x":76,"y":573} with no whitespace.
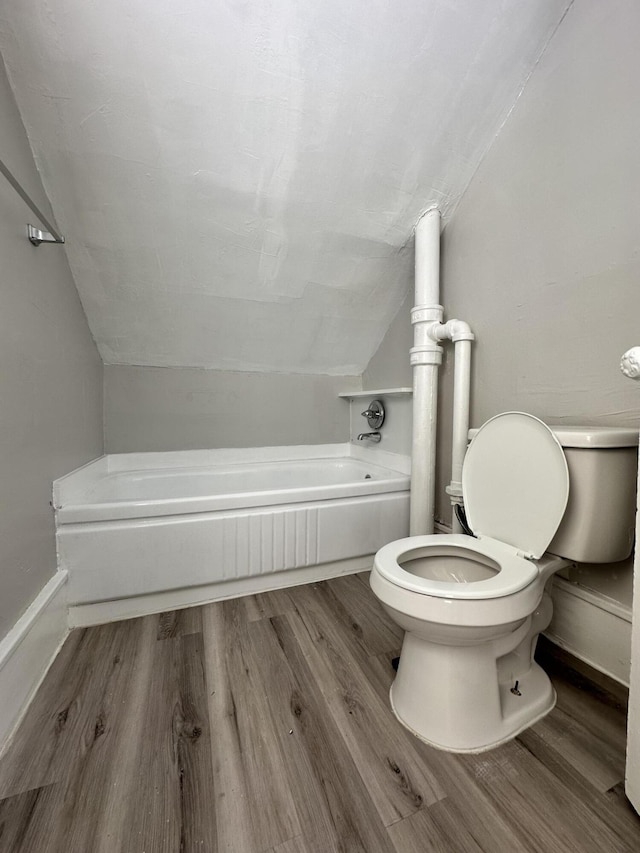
{"x":515,"y":482}
{"x":516,"y":485}
{"x":514,"y":571}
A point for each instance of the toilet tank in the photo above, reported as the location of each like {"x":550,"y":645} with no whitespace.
{"x":599,"y":521}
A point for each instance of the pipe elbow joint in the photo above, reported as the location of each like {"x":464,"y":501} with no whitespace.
{"x":453,"y":330}
{"x":459,"y":331}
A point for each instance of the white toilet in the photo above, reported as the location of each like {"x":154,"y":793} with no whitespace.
{"x":472,"y":608}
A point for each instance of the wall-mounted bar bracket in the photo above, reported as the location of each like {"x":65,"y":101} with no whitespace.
{"x":36,"y":236}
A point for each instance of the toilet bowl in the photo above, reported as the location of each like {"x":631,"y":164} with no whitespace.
{"x":472,"y":608}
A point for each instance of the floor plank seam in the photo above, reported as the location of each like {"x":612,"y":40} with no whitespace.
{"x":275,"y":735}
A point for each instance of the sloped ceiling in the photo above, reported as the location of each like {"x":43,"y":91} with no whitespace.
{"x":238,"y":181}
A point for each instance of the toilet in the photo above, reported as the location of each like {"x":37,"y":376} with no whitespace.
{"x":537,"y":499}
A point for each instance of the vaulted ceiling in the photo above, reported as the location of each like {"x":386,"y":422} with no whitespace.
{"x":238,"y":181}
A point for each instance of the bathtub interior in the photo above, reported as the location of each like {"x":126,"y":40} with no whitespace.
{"x":144,"y":485}
{"x":167,"y":483}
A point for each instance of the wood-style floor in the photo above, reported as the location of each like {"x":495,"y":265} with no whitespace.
{"x":263,"y":724}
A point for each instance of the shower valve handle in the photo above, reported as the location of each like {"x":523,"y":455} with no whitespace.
{"x":374,"y":413}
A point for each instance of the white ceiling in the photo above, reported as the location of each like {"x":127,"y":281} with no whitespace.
{"x":237,"y":181}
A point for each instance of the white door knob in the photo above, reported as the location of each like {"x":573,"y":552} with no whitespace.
{"x":630,"y":364}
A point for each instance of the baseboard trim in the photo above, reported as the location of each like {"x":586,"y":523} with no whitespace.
{"x":592,"y":627}
{"x":28,"y":650}
{"x":84,"y":615}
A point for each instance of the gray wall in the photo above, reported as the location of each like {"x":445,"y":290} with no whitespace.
{"x":156,"y":408}
{"x":542,"y":255}
{"x":50,"y":380}
{"x":389,"y":366}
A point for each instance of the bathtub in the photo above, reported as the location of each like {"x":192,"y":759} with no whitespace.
{"x":145,"y":532}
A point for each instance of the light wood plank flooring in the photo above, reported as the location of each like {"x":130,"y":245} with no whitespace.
{"x":262,"y":725}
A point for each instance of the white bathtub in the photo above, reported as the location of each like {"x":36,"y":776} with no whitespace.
{"x":156,"y":530}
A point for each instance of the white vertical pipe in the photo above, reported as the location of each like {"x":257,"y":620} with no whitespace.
{"x":461,"y":394}
{"x":427,"y":260}
{"x":423,"y":452}
{"x":426,"y":357}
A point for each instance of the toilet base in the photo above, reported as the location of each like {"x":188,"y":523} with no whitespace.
{"x":451,"y":696}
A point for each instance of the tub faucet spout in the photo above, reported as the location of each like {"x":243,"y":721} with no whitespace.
{"x":373,"y":437}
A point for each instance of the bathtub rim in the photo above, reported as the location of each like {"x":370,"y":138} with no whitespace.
{"x":71,"y":507}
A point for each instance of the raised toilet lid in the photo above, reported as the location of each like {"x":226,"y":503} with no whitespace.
{"x":515,"y":482}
